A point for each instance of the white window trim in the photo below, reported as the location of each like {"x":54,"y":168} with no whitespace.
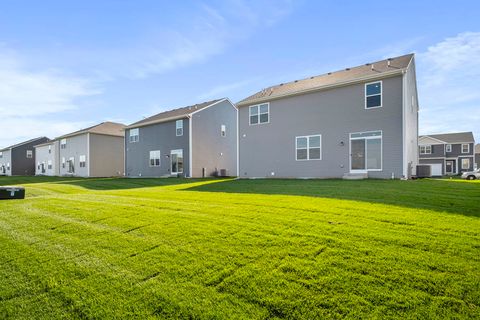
{"x":29,"y":152}
{"x":250,"y":114}
{"x":223,"y":130}
{"x":425,"y":146}
{"x":150,"y":158}
{"x":468,"y":148}
{"x":84,"y":161}
{"x":366,"y":152}
{"x":176,"y":127}
{"x":136,"y":137}
{"x":448,"y":148}
{"x":461,"y":163}
{"x":308,"y":147}
{"x":381,"y":95}
{"x":176,"y":151}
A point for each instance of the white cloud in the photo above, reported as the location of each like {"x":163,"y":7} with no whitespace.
{"x":448,"y":80}
{"x":26,"y":96}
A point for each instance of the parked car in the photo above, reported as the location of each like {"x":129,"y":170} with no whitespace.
{"x":471,"y":175}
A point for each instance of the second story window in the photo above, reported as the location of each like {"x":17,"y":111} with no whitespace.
{"x":223,"y":130}
{"x":448,"y":148}
{"x":373,"y":95}
{"x":29,"y":154}
{"x":427,"y":149}
{"x":49,"y":149}
{"x":179,"y":128}
{"x":134,"y":135}
{"x":63,"y":144}
{"x":1,"y":155}
{"x":465,"y":148}
{"x":259,"y":114}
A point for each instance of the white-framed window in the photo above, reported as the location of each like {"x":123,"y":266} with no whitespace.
{"x":179,"y":127}
{"x":82,"y":161}
{"x":176,"y":157}
{"x":1,"y":155}
{"x":63,"y":162}
{"x":466,"y":163}
{"x":223,"y":130}
{"x":8,"y":166}
{"x":155,"y":158}
{"x":49,"y":164}
{"x":38,"y":165}
{"x":448,"y":148}
{"x":134,"y":135}
{"x":29,"y":154}
{"x":366,"y":151}
{"x":465,"y":148}
{"x":426,"y":149}
{"x":49,"y":149}
{"x":308,"y":147}
{"x":63,"y":144}
{"x":259,"y":113}
{"x":71,"y":165}
{"x":373,"y":95}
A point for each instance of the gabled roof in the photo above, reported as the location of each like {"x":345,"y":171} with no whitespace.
{"x":106,"y":128}
{"x":45,"y":144}
{"x":456,"y":137}
{"x":365,"y":72}
{"x":174,"y":114}
{"x":22,"y":143}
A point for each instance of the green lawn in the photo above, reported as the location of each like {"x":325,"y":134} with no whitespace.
{"x":246,"y":249}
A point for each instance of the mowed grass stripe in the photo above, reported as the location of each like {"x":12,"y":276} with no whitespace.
{"x":171,"y":253}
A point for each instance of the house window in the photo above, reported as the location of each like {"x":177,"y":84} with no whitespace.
{"x":29,"y":154}
{"x":82,"y":161}
{"x":49,"y":163}
{"x":49,"y":149}
{"x":134,"y":135}
{"x":465,"y":148}
{"x":1,"y":155}
{"x":223,"y":130}
{"x":179,"y":128}
{"x":427,"y":149}
{"x":448,"y":148}
{"x":259,"y":114}
{"x":155,"y":158}
{"x":63,"y":144}
{"x":373,"y":95}
{"x":63,"y":162}
{"x":8,"y":166}
{"x":465,"y":163}
{"x":308,"y":147}
{"x":38,"y":165}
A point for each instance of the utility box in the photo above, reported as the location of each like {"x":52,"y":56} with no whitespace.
{"x":424,"y":171}
{"x":11,"y":193}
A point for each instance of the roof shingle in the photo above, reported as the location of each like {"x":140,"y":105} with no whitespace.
{"x":106,"y":128}
{"x":454,"y":137}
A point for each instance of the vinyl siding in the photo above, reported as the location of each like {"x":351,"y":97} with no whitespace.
{"x":7,"y":158}
{"x":270,"y":148}
{"x":106,"y":155}
{"x":76,"y":146}
{"x":43,"y":156}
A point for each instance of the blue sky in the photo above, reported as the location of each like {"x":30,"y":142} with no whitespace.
{"x":65,"y":65}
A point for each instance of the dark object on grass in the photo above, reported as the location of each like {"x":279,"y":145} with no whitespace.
{"x":9,"y":193}
{"x":424,"y":171}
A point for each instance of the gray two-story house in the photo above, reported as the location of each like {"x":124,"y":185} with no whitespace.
{"x":477,"y":156}
{"x":447,"y":154}
{"x":193,"y":141}
{"x":356,"y":122}
{"x":19,"y":159}
{"x":46,"y":157}
{"x":96,"y":151}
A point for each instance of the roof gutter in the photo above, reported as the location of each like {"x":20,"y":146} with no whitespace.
{"x":321,"y":88}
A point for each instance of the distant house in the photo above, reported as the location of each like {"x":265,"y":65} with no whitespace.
{"x":193,"y":141}
{"x":477,"y":156}
{"x":46,"y":157}
{"x":19,"y":159}
{"x":447,"y":154}
{"x":360,"y":121}
{"x":96,"y":151}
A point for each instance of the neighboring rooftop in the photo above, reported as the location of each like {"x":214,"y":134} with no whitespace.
{"x":477,"y":148}
{"x":387,"y":66}
{"x":454,"y":137}
{"x":106,"y":128}
{"x":22,"y":143}
{"x":173,"y":114}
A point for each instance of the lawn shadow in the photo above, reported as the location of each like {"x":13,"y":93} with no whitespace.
{"x":438,"y":195}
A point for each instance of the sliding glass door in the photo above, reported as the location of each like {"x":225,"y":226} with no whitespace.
{"x":366,"y":151}
{"x":176,"y":157}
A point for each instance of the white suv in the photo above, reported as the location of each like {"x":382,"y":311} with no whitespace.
{"x":471,"y":175}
